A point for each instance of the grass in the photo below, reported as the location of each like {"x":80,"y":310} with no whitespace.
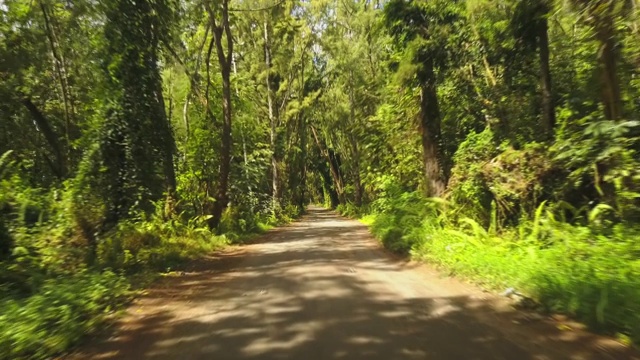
{"x":576,"y":270}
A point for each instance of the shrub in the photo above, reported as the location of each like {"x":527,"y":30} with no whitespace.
{"x":467,"y":187}
{"x":63,"y":311}
{"x":568,"y":268}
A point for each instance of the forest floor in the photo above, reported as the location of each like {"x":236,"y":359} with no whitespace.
{"x":323,"y":288}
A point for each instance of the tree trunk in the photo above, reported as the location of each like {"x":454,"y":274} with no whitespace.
{"x":356,"y":177}
{"x":168,"y":147}
{"x":166,"y":144}
{"x":302,"y":135}
{"x":548,"y":110}
{"x":431,"y":134}
{"x":330,"y":190}
{"x":225,"y":57}
{"x":61,"y":72}
{"x":602,"y":15}
{"x":222,"y":198}
{"x":275,"y":180}
{"x":52,"y":139}
{"x":357,"y":183}
{"x":611,"y":96}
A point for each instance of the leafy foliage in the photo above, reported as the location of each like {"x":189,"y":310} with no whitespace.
{"x":597,"y":285}
{"x":137,"y":135}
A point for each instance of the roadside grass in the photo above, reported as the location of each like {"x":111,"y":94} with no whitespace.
{"x":589,"y":274}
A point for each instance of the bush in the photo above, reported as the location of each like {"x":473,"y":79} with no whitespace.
{"x":156,"y":244}
{"x":573,"y":269}
{"x":50,"y":299}
{"x":467,"y":187}
{"x":63,"y":311}
{"x":398,"y":214}
{"x":350,"y":210}
{"x":566,"y":268}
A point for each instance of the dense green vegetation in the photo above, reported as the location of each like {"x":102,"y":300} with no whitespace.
{"x":496,"y":138}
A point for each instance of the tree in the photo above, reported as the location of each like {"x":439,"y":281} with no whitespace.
{"x":603,"y":16}
{"x":135,"y":135}
{"x":531,"y":28}
{"x":425,"y":33}
{"x":221,"y":29}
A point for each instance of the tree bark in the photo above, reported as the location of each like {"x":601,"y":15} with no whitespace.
{"x":302,"y":161}
{"x":168,"y":147}
{"x":327,"y":181}
{"x":430,"y":133}
{"x":611,"y":95}
{"x":602,"y":15}
{"x":357,"y":182}
{"x":275,"y":181}
{"x":222,"y":38}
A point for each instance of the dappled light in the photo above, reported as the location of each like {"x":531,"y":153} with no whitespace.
{"x":322,"y":289}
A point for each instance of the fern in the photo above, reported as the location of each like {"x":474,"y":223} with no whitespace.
{"x":535,"y":231}
{"x":478,"y":231}
{"x":5,"y":163}
{"x":598,"y":210}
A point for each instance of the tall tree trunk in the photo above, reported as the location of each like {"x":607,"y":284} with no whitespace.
{"x":168,"y":147}
{"x":300,"y":173}
{"x":275,"y":180}
{"x":611,"y":95}
{"x":357,"y":183}
{"x":610,"y":90}
{"x":431,"y":134}
{"x":166,"y":141}
{"x":330,"y":190}
{"x":222,"y":38}
{"x":61,"y":72}
{"x":602,"y":14}
{"x":302,"y":167}
{"x":548,"y":110}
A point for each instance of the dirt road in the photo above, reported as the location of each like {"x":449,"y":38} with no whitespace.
{"x":322,"y":288}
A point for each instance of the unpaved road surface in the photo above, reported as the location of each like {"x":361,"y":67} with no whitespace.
{"x":322,"y":288}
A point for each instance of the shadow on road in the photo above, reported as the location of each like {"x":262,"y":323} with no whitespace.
{"x":314,"y":290}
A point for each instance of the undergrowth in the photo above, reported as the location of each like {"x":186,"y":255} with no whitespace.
{"x":580,"y":270}
{"x":54,"y":291}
